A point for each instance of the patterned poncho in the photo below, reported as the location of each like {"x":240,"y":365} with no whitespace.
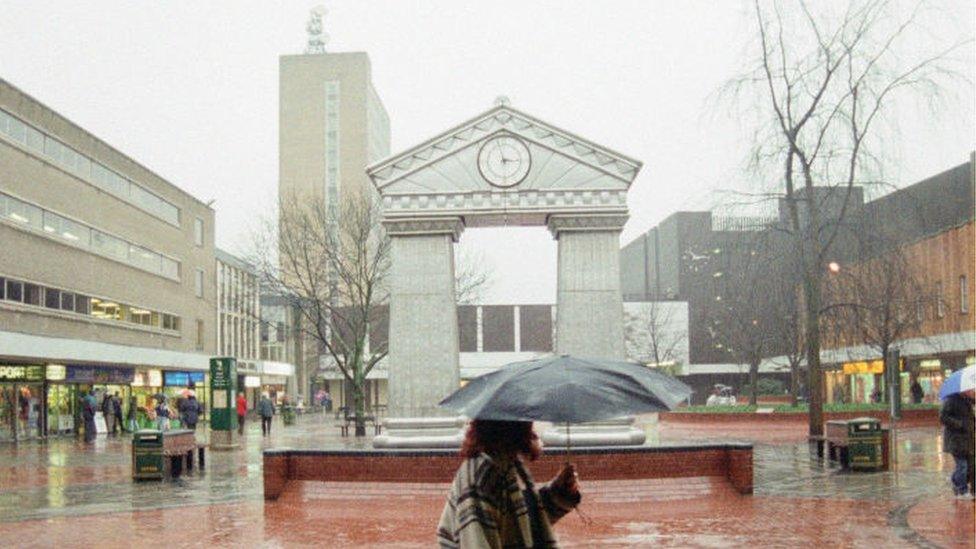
{"x":487,"y":509}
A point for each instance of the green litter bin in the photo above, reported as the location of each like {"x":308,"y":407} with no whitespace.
{"x":864,"y":447}
{"x":147,"y":454}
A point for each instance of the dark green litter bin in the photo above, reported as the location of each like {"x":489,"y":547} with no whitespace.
{"x":864,"y":448}
{"x":147,"y":454}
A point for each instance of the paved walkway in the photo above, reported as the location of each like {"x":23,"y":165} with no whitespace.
{"x":66,"y":493}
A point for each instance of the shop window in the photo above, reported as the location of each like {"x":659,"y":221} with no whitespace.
{"x":15,"y":291}
{"x":963,"y":295}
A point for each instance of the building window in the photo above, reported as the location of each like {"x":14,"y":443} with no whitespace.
{"x":52,"y":298}
{"x":15,"y":291}
{"x":198,"y":231}
{"x":939,"y":302}
{"x":32,"y":294}
{"x":199,"y":335}
{"x":67,"y":301}
{"x":198,"y":283}
{"x":82,"y":304}
{"x":963,"y":295}
{"x":919,"y":310}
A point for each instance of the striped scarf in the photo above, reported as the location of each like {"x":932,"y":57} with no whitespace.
{"x":487,"y":509}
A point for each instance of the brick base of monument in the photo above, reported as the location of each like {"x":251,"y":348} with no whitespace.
{"x":730,"y":461}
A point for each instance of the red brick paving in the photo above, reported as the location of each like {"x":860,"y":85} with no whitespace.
{"x":395,"y":515}
{"x":944,"y":521}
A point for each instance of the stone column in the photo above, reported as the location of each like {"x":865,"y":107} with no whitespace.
{"x":590,"y":311}
{"x":589,"y":305}
{"x":423,"y":353}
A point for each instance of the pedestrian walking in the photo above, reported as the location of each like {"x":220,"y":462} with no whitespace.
{"x":493,"y":502}
{"x":241,"y":412}
{"x":917,"y":392}
{"x":117,"y":412}
{"x":266,"y":410}
{"x":108,"y":413}
{"x":131,"y":414}
{"x":190,"y":410}
{"x":959,"y":440}
{"x":88,"y":414}
{"x":162,"y":416}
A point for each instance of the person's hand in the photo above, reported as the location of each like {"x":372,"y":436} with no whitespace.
{"x":566,"y":479}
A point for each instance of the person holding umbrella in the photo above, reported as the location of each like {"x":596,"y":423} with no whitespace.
{"x":493,"y":502}
{"x":957,"y":417}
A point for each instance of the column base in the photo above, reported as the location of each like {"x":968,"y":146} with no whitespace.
{"x":612,"y":432}
{"x":421,"y":432}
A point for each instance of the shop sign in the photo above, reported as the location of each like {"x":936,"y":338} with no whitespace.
{"x":223,"y":388}
{"x":21,"y":373}
{"x":148,"y":378}
{"x":930,"y":364}
{"x":868,"y":367}
{"x":105,"y":375}
{"x":252,"y":382}
{"x":277,"y":368}
{"x":182,"y":379}
{"x":56,"y":372}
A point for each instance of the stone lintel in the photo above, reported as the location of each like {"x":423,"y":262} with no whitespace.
{"x":415,"y":226}
{"x":583,"y":222}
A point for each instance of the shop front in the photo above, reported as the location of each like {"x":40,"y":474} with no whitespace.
{"x":67,"y":384}
{"x":862,"y":382}
{"x":176,"y":385}
{"x":21,"y":401}
{"x":251,"y":389}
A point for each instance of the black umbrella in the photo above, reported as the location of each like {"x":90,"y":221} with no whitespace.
{"x":566,"y":389}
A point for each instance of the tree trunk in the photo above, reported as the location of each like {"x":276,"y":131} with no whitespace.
{"x":811,"y":287}
{"x":794,"y":382}
{"x":359,"y":399}
{"x":753,"y":383}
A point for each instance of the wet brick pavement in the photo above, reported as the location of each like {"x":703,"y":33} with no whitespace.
{"x":67,"y":494}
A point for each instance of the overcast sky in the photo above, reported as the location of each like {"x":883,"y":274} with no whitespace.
{"x":190,"y":89}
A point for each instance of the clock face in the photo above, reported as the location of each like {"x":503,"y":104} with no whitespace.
{"x":504,"y":161}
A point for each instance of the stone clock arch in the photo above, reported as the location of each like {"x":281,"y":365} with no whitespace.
{"x":501,"y":168}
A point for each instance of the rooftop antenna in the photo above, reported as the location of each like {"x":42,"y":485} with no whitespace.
{"x":316,"y":37}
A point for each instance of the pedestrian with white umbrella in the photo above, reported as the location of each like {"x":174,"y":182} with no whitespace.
{"x":957,"y":394}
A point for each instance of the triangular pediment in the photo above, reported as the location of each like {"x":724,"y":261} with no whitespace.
{"x":448,"y":163}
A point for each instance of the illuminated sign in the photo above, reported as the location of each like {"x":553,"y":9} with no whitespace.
{"x":22,"y":373}
{"x":252,"y":382}
{"x":56,"y":372}
{"x":865,"y":367}
{"x":182,"y":379}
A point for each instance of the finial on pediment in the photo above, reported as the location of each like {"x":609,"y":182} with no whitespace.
{"x":502,"y":101}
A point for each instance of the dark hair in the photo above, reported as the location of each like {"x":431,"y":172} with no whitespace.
{"x":501,"y":437}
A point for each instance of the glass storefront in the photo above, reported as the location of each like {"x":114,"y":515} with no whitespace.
{"x":21,"y":401}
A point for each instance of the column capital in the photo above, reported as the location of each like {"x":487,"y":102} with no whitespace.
{"x":559,"y":223}
{"x":417,"y":226}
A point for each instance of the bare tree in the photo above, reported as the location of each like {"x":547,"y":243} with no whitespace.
{"x":744,"y":318}
{"x":331,"y":264}
{"x":473,"y":276}
{"x":652,"y":334}
{"x":823,"y":82}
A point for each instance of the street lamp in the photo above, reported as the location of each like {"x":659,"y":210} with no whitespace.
{"x":833,"y":267}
